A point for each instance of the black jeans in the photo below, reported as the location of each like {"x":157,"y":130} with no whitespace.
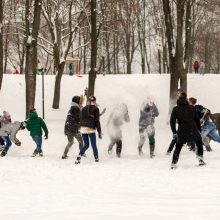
{"x":179,"y":146}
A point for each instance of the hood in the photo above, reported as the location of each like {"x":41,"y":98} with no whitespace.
{"x":182,"y":101}
{"x":33,"y":115}
{"x":74,"y":104}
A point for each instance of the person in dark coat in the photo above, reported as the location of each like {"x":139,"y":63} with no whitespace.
{"x":72,"y":125}
{"x":88,"y":125}
{"x":179,"y":93}
{"x":189,"y":129}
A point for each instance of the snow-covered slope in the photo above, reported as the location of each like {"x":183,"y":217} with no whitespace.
{"x":131,"y":187}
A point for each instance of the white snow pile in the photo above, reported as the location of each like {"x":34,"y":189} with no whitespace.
{"x":128,"y":188}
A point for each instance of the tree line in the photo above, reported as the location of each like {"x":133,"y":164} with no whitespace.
{"x":110,"y":37}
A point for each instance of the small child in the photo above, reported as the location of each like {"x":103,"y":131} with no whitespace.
{"x":35,"y":125}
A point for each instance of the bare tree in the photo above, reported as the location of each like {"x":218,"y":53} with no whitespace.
{"x":1,"y":42}
{"x":32,"y":28}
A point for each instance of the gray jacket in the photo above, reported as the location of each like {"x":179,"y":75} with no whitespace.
{"x":10,"y":129}
{"x":147,"y":115}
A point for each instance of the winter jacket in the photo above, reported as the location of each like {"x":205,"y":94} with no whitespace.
{"x":188,"y":121}
{"x":90,"y":117}
{"x":147,"y":115}
{"x":35,"y":125}
{"x":11,"y":130}
{"x":116,"y":119}
{"x":72,"y":123}
{"x":196,"y":65}
{"x":203,"y":113}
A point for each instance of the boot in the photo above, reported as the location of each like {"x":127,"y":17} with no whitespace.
{"x":41,"y":154}
{"x":78,"y":159}
{"x":208,"y":148}
{"x":152,"y":146}
{"x":201,"y":162}
{"x":34,"y":153}
{"x":64,"y":156}
{"x":118,"y":148}
{"x":173,"y":166}
{"x":3,"y":153}
{"x":96,"y":159}
{"x":140,"y":152}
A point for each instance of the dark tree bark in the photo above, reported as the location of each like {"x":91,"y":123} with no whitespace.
{"x":31,"y":52}
{"x":93,"y":70}
{"x":1,"y":43}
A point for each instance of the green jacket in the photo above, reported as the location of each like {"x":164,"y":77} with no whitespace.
{"x":35,"y":125}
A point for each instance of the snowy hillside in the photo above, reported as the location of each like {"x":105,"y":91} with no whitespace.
{"x":128,"y":188}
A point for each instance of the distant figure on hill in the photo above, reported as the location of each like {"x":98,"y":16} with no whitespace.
{"x":196,"y":66}
{"x":202,"y":68}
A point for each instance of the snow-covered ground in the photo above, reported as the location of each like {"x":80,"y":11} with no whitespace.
{"x":131,"y":187}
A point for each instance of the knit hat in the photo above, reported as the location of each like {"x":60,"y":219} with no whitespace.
{"x":76,"y":99}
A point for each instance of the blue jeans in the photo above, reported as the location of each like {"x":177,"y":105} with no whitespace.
{"x":210,"y":130}
{"x":92,"y":138}
{"x":38,"y":141}
{"x":7,"y":143}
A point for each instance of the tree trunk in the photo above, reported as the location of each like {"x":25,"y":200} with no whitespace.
{"x":31,"y":52}
{"x":6,"y":52}
{"x":56,"y":97}
{"x":93,"y":70}
{"x":1,"y":43}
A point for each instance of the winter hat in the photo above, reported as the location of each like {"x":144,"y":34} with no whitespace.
{"x":76,"y":99}
{"x":6,"y":114}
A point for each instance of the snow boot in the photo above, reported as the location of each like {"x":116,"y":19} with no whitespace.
{"x":41,"y":154}
{"x":96,"y":159}
{"x":3,"y":153}
{"x":173,"y":166}
{"x":201,"y":162}
{"x":140,"y":152}
{"x":208,"y":148}
{"x":168,"y":153}
{"x":64,"y":156}
{"x":78,"y":159}
{"x":34,"y":153}
{"x":152,"y":146}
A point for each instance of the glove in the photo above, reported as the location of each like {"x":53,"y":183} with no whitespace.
{"x":46,"y":136}
{"x":18,"y":143}
{"x":174,"y":136}
{"x":100,"y":135}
